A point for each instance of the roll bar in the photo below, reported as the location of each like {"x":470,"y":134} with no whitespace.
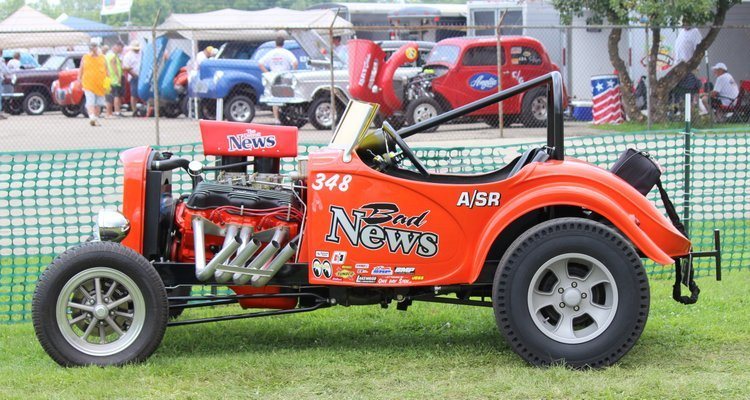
{"x":555,"y":133}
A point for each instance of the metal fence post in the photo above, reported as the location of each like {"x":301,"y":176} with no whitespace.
{"x":155,"y":77}
{"x":687,"y":149}
{"x":330,"y":57}
{"x":500,"y":73}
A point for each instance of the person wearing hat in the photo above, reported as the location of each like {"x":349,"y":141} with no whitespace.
{"x":92,"y":74}
{"x":131,"y":65}
{"x":725,"y":88}
{"x":207,"y":53}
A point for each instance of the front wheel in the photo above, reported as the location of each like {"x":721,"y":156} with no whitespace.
{"x":321,"y":114}
{"x":571,"y":290}
{"x":239,"y":109}
{"x":422,"y":109}
{"x":99,"y":303}
{"x":35,"y":103}
{"x":534,"y":108}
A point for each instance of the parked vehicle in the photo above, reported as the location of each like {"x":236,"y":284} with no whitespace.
{"x":459,"y":71}
{"x":305,"y":96}
{"x":27,"y":59}
{"x":238,"y":82}
{"x":35,"y":85}
{"x":67,"y":93}
{"x":554,"y":242}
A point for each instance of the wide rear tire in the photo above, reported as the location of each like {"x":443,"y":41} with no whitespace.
{"x":99,"y":303}
{"x":571,"y":291}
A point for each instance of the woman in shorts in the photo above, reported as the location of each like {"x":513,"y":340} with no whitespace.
{"x":92,"y":74}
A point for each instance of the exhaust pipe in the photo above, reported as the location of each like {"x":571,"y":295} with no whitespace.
{"x":274,"y":266}
{"x":231,"y":244}
{"x":266,"y":254}
{"x":223,"y":277}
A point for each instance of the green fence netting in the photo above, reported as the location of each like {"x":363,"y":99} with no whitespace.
{"x":48,"y":199}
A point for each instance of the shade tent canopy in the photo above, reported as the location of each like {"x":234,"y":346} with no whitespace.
{"x":92,"y":28}
{"x":29,"y":28}
{"x":231,"y":24}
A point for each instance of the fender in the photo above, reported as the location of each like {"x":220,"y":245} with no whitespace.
{"x":576,"y":183}
{"x":233,"y":78}
{"x":134,"y":193}
{"x":27,"y":88}
{"x":340,"y":92}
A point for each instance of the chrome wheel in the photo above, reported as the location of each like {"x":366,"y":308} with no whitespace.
{"x":539,"y":108}
{"x":240,"y":110}
{"x":35,"y":104}
{"x":100,"y":311}
{"x":572,"y":298}
{"x":324,"y":114}
{"x":424,"y":112}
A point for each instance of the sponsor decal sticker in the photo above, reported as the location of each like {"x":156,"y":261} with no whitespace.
{"x":322,"y":269}
{"x":478,"y":199}
{"x":338,"y":257}
{"x":378,"y":225}
{"x":366,"y":279}
{"x":345,"y":274}
{"x":404,"y":270}
{"x":322,"y":254}
{"x":251,"y":140}
{"x":381,"y":270}
{"x":417,"y":278}
{"x":411,"y":53}
{"x":362,"y":266}
{"x":483,"y":81}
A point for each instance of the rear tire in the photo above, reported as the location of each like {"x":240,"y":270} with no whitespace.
{"x":535,"y":108}
{"x":571,"y":290}
{"x":171,"y":110}
{"x":71,"y":111}
{"x":126,"y":306}
{"x":35,"y":103}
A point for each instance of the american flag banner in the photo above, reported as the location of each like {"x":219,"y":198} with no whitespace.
{"x":607,"y":108}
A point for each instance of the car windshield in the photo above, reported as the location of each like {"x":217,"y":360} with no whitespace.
{"x":54,"y":62}
{"x":354,"y":124}
{"x":443,"y":54}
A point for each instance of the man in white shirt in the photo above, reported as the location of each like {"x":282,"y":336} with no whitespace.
{"x":131,"y":65}
{"x":278,"y":59}
{"x":14,"y":64}
{"x":725,"y":89}
{"x":684,"y":47}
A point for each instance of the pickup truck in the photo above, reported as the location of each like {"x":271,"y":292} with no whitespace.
{"x":305,"y":96}
{"x":237,"y":81}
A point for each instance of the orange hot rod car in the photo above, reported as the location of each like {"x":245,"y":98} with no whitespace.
{"x":554,"y":242}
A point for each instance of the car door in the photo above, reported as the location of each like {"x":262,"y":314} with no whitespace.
{"x":475,"y":76}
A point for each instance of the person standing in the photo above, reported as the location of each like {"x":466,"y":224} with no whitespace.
{"x":278,"y":59}
{"x":114,"y":70}
{"x":131,"y":65}
{"x":687,"y":41}
{"x":4,"y":71}
{"x":14,"y":64}
{"x":92,"y":74}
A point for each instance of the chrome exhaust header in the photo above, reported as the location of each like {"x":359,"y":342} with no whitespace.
{"x":262,"y":258}
{"x":275,"y":265}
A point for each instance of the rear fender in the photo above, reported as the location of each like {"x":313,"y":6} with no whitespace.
{"x":631,"y":213}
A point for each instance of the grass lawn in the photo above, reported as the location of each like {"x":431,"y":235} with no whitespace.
{"x":431,"y":351}
{"x":629,"y":126}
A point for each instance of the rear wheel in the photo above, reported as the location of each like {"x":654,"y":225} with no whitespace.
{"x":422,"y":109}
{"x":571,"y":290}
{"x":534,"y":111}
{"x":35,"y":103}
{"x":14,"y":106}
{"x":239,"y":109}
{"x":207,"y":109}
{"x":100,"y":303}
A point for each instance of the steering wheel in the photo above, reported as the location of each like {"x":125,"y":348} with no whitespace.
{"x":388,"y":129}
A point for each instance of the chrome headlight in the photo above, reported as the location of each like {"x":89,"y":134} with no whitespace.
{"x":217,"y":76}
{"x":111,"y":226}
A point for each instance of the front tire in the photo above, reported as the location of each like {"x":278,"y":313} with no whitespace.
{"x":320,"y":113}
{"x":99,"y":303}
{"x":535,"y":108}
{"x":239,"y":109}
{"x":423,"y":109}
{"x":571,"y":290}
{"x":287,"y":117}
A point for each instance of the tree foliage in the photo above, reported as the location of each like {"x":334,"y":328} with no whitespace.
{"x":656,"y":14}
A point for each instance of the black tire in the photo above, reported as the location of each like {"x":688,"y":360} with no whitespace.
{"x":239,"y":109}
{"x":171,"y":110}
{"x":14,"y":106}
{"x":287,"y":117}
{"x":71,"y":111}
{"x":319,"y":112}
{"x":524,"y":330}
{"x":531,"y":115}
{"x":35,"y":103}
{"x":148,"y":296}
{"x":422,"y":109}
{"x":207,"y":109}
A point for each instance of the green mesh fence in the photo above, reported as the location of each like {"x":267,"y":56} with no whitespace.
{"x":48,"y":199}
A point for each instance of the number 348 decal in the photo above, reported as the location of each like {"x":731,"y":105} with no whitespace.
{"x":333,"y":182}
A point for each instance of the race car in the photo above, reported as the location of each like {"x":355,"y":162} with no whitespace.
{"x":554,"y":243}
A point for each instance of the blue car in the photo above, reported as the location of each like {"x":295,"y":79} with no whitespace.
{"x":237,"y":80}
{"x":27,"y":60}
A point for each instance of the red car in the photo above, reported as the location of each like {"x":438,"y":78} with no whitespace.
{"x":457,"y":72}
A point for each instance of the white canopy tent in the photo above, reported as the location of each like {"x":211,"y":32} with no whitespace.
{"x":231,"y":24}
{"x":29,"y":28}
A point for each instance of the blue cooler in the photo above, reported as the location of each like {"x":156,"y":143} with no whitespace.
{"x":582,"y":110}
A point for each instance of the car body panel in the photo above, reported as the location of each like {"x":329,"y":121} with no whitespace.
{"x":440,"y":234}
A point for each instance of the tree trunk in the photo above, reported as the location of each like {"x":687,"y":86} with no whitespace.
{"x":659,"y":92}
{"x":626,"y":84}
